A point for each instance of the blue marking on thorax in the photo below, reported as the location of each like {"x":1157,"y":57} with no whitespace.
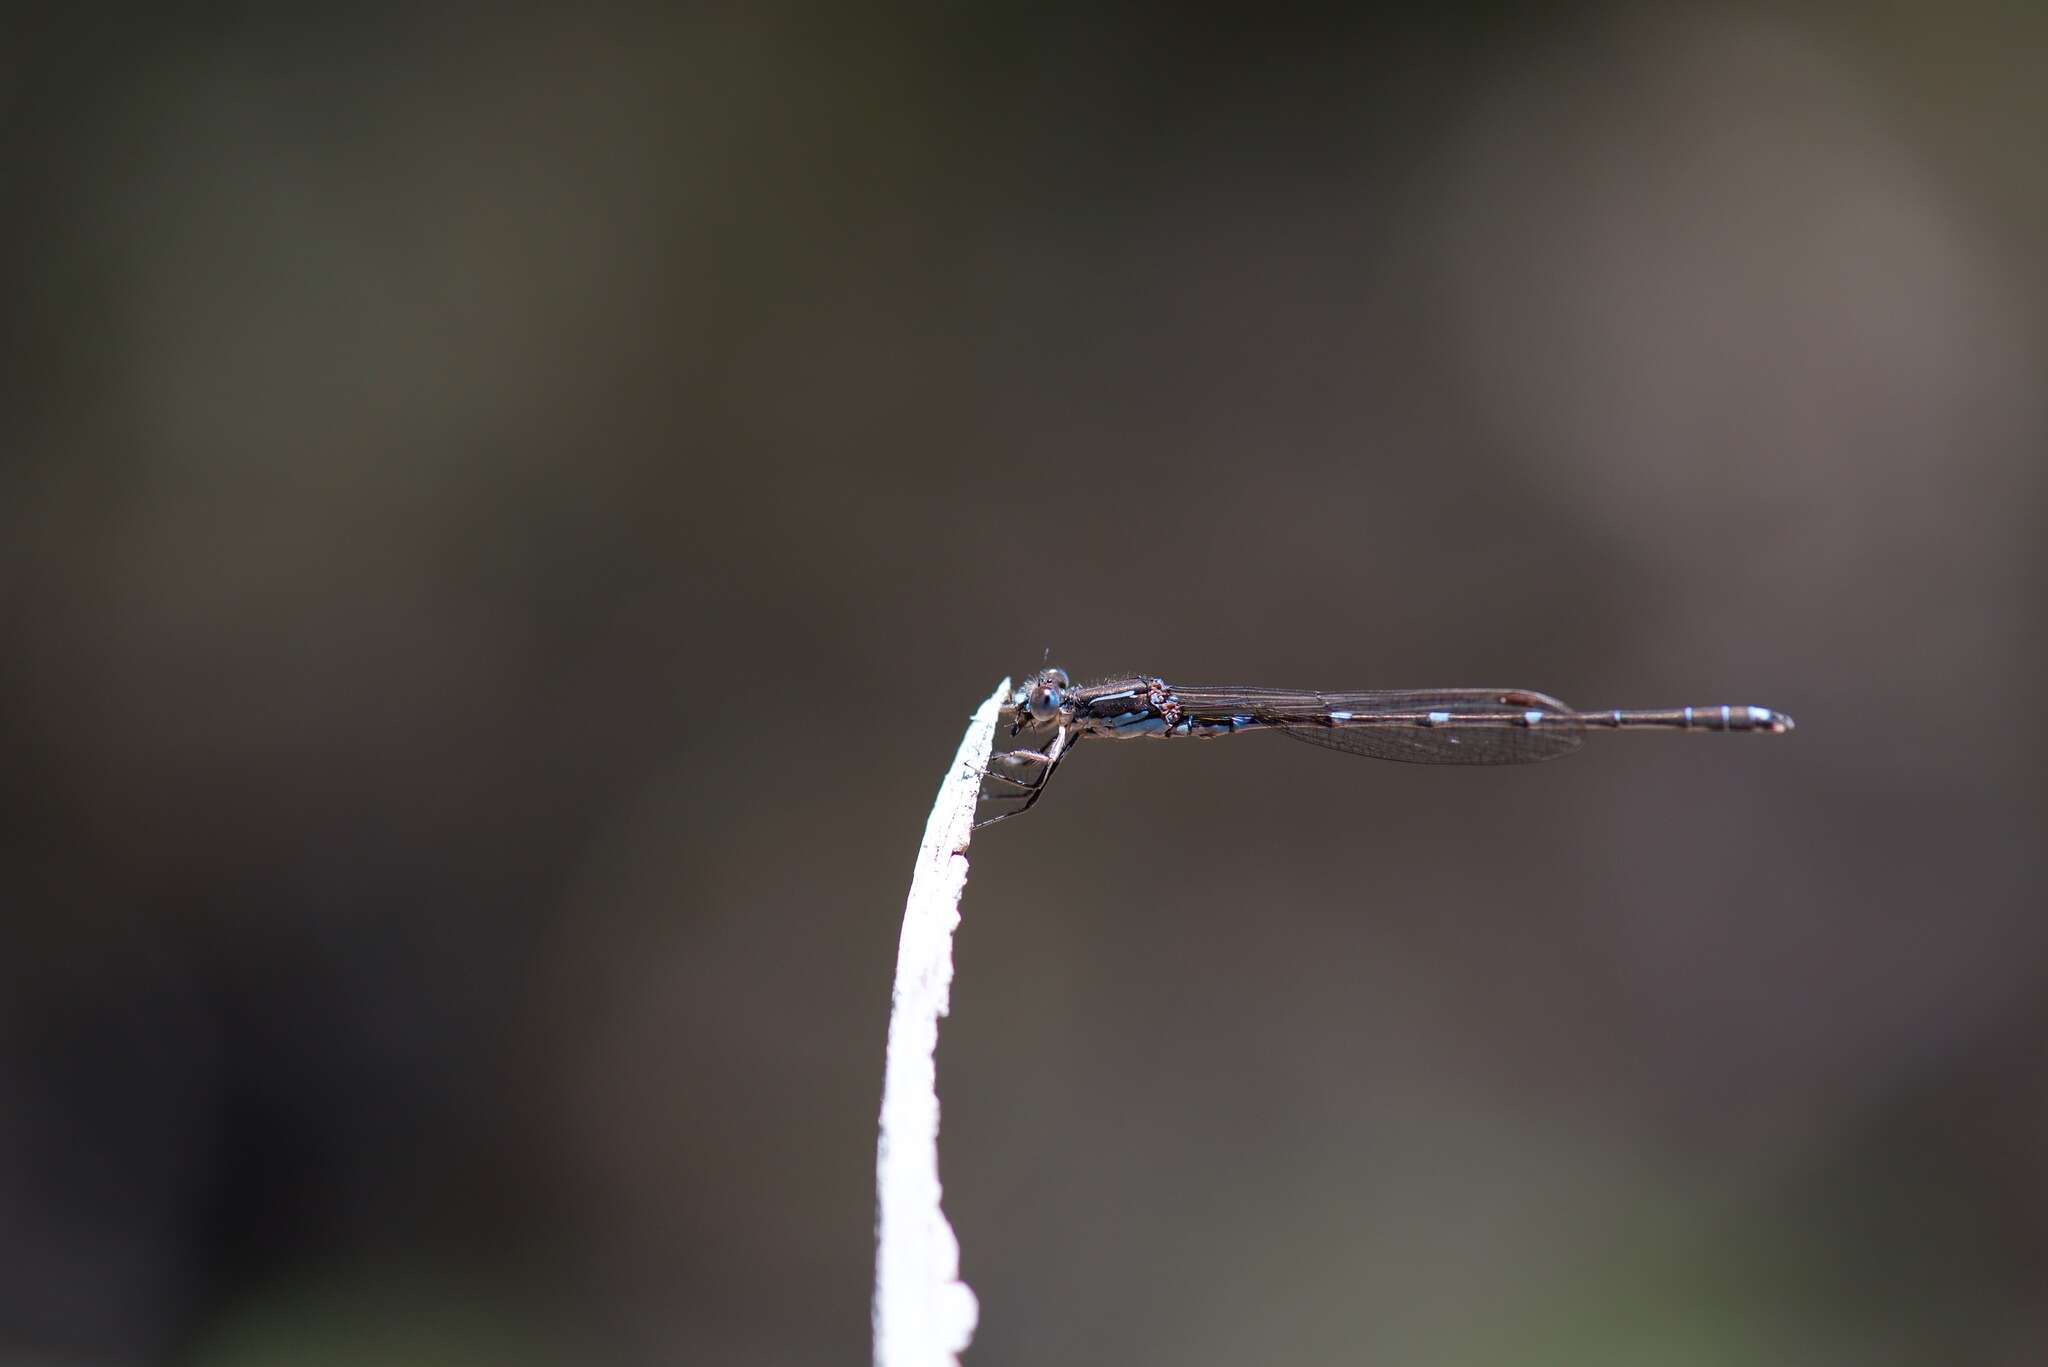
{"x":1136,"y":724}
{"x":1439,"y":718}
{"x":1340,"y":716}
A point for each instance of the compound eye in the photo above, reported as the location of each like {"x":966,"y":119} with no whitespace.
{"x":1056,"y":678}
{"x":1046,"y":702}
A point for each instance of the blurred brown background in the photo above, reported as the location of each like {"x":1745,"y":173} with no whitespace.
{"x":504,"y":521}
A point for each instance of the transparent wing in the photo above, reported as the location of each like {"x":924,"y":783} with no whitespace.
{"x":1414,"y":726}
{"x":1462,"y":726}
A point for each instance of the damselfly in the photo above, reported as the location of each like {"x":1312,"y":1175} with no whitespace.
{"x":1417,"y":726}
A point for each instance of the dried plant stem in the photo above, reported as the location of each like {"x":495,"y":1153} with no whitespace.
{"x":924,"y":1315}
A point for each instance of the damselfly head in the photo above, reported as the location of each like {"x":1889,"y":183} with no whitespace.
{"x":1040,"y":701}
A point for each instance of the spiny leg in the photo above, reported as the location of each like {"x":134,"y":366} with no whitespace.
{"x":1025,"y":800}
{"x":1050,"y":758}
{"x":1021,"y":757}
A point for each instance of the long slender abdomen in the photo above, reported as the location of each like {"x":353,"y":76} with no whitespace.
{"x":1716,"y":717}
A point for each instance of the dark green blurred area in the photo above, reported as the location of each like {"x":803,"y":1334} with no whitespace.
{"x":503,"y":521}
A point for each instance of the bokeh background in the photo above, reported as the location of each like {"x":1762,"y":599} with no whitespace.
{"x":504,"y":520}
